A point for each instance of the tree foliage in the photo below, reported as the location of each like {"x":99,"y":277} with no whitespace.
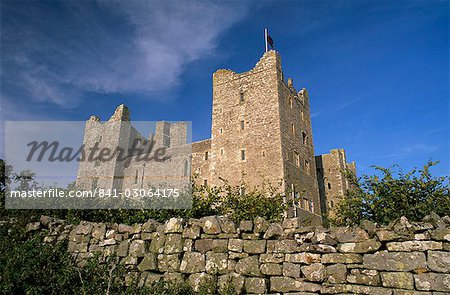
{"x":391,"y":193}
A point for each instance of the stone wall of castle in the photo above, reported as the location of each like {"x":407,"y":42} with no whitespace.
{"x":333,"y":184}
{"x":258,"y":257}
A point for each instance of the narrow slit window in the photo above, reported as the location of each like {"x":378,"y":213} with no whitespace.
{"x":241,"y":97}
{"x":242,"y":155}
{"x":242,"y":125}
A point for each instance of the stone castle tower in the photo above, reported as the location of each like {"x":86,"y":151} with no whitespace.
{"x":261,"y":133}
{"x":333,"y":184}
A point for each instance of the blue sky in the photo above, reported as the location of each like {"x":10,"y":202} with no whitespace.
{"x":377,"y":71}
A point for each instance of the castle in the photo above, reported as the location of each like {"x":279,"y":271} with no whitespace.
{"x":261,"y":134}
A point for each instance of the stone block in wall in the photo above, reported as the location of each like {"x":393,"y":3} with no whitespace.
{"x":168,"y":263}
{"x":285,"y":284}
{"x":350,"y":234}
{"x":282,"y":246}
{"x":157,"y":243}
{"x":358,"y":289}
{"x":137,"y":248}
{"x":303,"y":257}
{"x":149,"y":262}
{"x":173,"y":277}
{"x":150,"y":278}
{"x":411,"y":292}
{"x":236,"y":255}
{"x":129,"y":260}
{"x":235,"y":245}
{"x":291,"y":223}
{"x":318,"y":248}
{"x":368,"y":277}
{"x":260,"y":225}
{"x":107,"y":242}
{"x":271,"y":269}
{"x":174,"y":225}
{"x":122,"y":249}
{"x":254,"y":246}
{"x":397,"y":261}
{"x":227,"y":225}
{"x":174,"y":244}
{"x":200,"y":280}
{"x":441,"y":234}
{"x":400,"y":280}
{"x":385,"y":235}
{"x":439,"y":261}
{"x":203,"y":245}
{"x":432,"y":282}
{"x":336,"y":274}
{"x":368,"y":246}
{"x":193,"y":262}
{"x":274,"y":231}
{"x":216,"y":263}
{"x":220,"y":245}
{"x":124,"y":228}
{"x":99,"y":231}
{"x":192,"y":232}
{"x":250,"y":236}
{"x":314,"y":272}
{"x":249,"y":266}
{"x":246,"y":226}
{"x":232,"y":282}
{"x":271,"y":258}
{"x":341,"y":258}
{"x":150,"y":226}
{"x":84,"y":228}
{"x":410,"y":246}
{"x":291,"y":270}
{"x":255,"y":285}
{"x":211,"y":225}
{"x":324,"y":237}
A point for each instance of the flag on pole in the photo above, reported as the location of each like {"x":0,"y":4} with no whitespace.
{"x":268,"y":40}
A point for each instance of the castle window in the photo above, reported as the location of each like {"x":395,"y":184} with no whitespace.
{"x":243,"y":155}
{"x":205,"y":182}
{"x":263,"y":153}
{"x":206,"y":156}
{"x":302,"y":115}
{"x":293,"y":129}
{"x":222,"y":151}
{"x":242,"y":125}
{"x":241,"y":96}
{"x":220,"y":131}
{"x":291,"y":102}
{"x":296,"y":159}
{"x":307,"y":168}
{"x":186,"y":168}
{"x":166,"y":141}
{"x":304,"y":137}
{"x":331,"y":204}
{"x":136,"y":177}
{"x":311,"y":205}
{"x":329,"y":185}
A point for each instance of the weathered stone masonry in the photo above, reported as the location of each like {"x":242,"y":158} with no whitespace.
{"x":279,"y":258}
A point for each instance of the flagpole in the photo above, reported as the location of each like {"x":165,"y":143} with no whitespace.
{"x":265,"y":39}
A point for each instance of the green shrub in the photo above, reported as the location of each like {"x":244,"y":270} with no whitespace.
{"x":391,"y":194}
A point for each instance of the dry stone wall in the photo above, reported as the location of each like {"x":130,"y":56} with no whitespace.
{"x":256,"y":257}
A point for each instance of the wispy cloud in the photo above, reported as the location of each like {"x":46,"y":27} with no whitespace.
{"x":414,"y":149}
{"x":339,"y":107}
{"x":105,"y":46}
